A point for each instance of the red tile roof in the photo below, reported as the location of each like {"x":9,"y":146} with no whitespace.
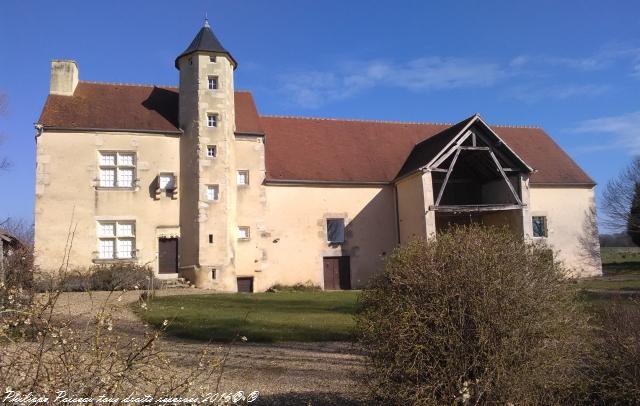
{"x":131,"y":107}
{"x":298,"y":149}
{"x":373,"y":151}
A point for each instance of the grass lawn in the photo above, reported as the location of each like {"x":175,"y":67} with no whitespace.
{"x":620,"y":279}
{"x":261,"y":317}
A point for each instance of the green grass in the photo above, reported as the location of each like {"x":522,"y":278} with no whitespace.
{"x":620,"y":280}
{"x":261,"y":317}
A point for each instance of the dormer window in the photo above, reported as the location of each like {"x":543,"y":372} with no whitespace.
{"x":166,"y":181}
{"x":213,"y":83}
{"x":212,"y":120}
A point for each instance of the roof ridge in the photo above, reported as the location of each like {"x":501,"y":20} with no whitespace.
{"x":516,"y":126}
{"x":354,"y":120}
{"x":126,"y":84}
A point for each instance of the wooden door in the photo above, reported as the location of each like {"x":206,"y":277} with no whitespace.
{"x":245,"y":285}
{"x":168,"y":255}
{"x":337,"y":273}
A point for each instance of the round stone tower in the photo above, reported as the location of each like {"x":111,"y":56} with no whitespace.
{"x":207,"y":163}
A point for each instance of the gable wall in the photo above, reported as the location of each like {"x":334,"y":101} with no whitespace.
{"x":568,"y":215}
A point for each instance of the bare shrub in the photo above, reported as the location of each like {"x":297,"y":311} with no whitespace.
{"x":474,"y":316}
{"x":614,"y":365}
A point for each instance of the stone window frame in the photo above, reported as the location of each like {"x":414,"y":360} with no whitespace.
{"x":115,"y":238}
{"x":247,"y":235}
{"x":216,"y":188}
{"x":213,"y":118}
{"x":211,"y":147}
{"x":247,"y":177}
{"x":545,"y":225}
{"x":213,"y":80}
{"x":116,"y":167}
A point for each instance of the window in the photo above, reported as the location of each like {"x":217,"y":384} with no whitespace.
{"x":213,"y":82}
{"x":210,"y":238}
{"x":116,"y":239}
{"x":212,"y":192}
{"x":166,"y":181}
{"x":539,"y":226}
{"x":335,"y":231}
{"x":117,"y":169}
{"x":243,"y":177}
{"x":212,"y":120}
{"x":212,"y":151}
{"x":213,"y":273}
{"x":212,"y":58}
{"x":243,"y":233}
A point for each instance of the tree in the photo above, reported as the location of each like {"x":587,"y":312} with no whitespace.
{"x":4,"y":161}
{"x":633,"y":221}
{"x":621,"y":205}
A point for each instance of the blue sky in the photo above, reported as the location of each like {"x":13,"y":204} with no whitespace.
{"x":572,"y":67}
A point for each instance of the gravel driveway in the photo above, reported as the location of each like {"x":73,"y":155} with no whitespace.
{"x":322,"y":373}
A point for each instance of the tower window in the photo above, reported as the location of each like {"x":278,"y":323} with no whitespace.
{"x":210,"y":238}
{"x":213,"y":192}
{"x":212,"y":58}
{"x":243,"y":233}
{"x":212,"y":120}
{"x":243,"y":177}
{"x":212,"y":151}
{"x":213,"y":82}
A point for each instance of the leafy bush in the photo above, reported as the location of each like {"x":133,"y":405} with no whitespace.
{"x":474,"y":316}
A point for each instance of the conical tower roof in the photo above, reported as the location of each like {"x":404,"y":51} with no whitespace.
{"x":206,"y":41}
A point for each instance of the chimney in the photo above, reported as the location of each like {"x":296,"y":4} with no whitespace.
{"x":64,"y":77}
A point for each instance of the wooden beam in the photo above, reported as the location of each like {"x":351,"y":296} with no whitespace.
{"x":504,"y":176}
{"x":446,"y":178}
{"x":475,"y":148}
{"x":475,"y":208}
{"x":452,"y":150}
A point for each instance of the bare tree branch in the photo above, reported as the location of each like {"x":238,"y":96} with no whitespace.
{"x":618,"y":198}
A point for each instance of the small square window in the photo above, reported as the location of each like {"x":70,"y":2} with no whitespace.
{"x":125,"y":177}
{"x":107,"y":177}
{"x":212,"y":120}
{"x":335,"y":231}
{"x":212,"y":151}
{"x":213,"y":82}
{"x":212,"y":192}
{"x":166,"y":181}
{"x":243,"y":233}
{"x":243,"y":177}
{"x":539,"y":226}
{"x":108,"y":159}
{"x":106,"y":249}
{"x":212,"y":58}
{"x":107,"y":230}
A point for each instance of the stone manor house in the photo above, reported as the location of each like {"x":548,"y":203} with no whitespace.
{"x":194,"y":182}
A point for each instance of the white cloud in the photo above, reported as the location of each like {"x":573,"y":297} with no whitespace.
{"x":314,"y":88}
{"x":532,"y":94}
{"x":622,"y":131}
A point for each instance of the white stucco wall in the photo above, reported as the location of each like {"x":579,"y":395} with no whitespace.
{"x":567,"y":210}
{"x":66,"y":194}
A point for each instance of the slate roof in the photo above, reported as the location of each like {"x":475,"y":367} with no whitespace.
{"x":303,"y":149}
{"x":206,"y":41}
